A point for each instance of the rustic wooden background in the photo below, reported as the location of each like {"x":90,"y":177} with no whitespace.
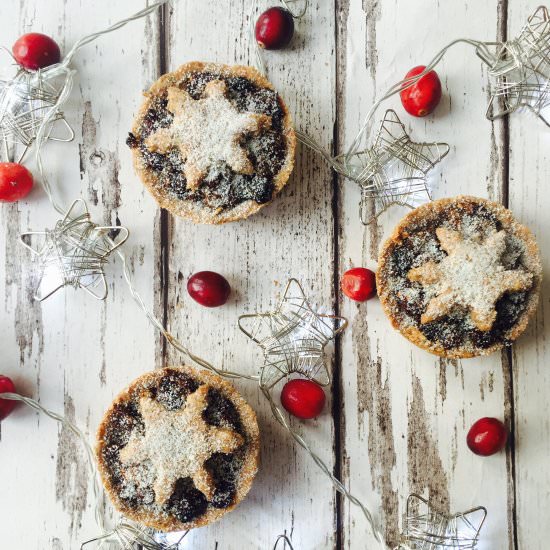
{"x":398,"y":416}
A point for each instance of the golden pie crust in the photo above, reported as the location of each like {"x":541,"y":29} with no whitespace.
{"x":193,"y":210}
{"x":162,"y":519}
{"x":438,"y":213}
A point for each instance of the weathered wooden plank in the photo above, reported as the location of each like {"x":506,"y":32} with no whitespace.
{"x":406,"y":413}
{"x":291,"y":237}
{"x":72,"y":352}
{"x":529,"y":200}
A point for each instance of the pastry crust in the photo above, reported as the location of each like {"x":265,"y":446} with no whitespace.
{"x":192,"y":210}
{"x":432,"y":210}
{"x":164,"y":521}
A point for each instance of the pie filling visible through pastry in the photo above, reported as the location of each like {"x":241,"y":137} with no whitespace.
{"x":460,"y":277}
{"x":213,"y":137}
{"x":178,"y":449}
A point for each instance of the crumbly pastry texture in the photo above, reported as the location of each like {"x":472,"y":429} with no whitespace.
{"x":460,"y":277}
{"x":178,"y":449}
{"x":213,"y":143}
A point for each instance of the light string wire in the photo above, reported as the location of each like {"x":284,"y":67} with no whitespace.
{"x":124,"y":533}
{"x":338,"y":163}
{"x":23,"y":101}
{"x":342,"y":164}
{"x":337,"y":484}
{"x":296,"y":14}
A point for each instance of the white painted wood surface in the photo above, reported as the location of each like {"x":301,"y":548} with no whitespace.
{"x":399,"y":415}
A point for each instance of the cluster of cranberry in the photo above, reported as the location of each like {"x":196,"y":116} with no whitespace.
{"x":32,"y":51}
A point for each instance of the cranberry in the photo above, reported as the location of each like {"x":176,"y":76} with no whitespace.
{"x":359,"y":284}
{"x":487,"y":436}
{"x":303,"y":398}
{"x":423,"y":96}
{"x":6,"y":405}
{"x":35,"y":51}
{"x":208,"y":288}
{"x":274,"y":28}
{"x":15,"y":181}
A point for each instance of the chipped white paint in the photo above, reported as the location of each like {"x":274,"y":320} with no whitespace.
{"x":402,"y":414}
{"x":73,"y":352}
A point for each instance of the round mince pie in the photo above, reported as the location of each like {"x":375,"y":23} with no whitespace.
{"x":460,"y":277}
{"x":213,"y":143}
{"x":178,"y":449}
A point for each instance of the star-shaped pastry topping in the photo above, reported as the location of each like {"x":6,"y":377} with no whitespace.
{"x":74,"y":252}
{"x":293,"y":337}
{"x":207,"y":131}
{"x":471,"y":276}
{"x":177,"y":443}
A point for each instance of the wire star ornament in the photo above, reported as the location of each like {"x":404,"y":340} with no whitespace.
{"x":394,"y":170}
{"x":30,"y":106}
{"x":74,"y":253}
{"x":293,"y":337}
{"x":426,"y":529}
{"x":520,"y":69}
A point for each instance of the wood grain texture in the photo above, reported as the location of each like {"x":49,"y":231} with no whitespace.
{"x":406,"y":412}
{"x":72,"y":352}
{"x":291,"y":237}
{"x":399,"y":415}
{"x":529,"y":200}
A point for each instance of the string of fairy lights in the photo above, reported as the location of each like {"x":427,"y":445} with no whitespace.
{"x":389,"y":168}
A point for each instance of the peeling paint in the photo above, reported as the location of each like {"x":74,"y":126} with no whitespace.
{"x":101,"y":167}
{"x":22,"y":278}
{"x":71,"y":481}
{"x":374,"y":398}
{"x":373,"y":12}
{"x":425,"y":468}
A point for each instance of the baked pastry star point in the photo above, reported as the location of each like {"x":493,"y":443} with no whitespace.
{"x":471,"y":276}
{"x":163,"y":426}
{"x":207,"y":131}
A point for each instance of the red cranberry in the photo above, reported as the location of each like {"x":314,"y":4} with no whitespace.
{"x":303,"y":398}
{"x":6,"y":405}
{"x":208,"y":288}
{"x":274,"y":28}
{"x":487,"y":436}
{"x":15,"y":181}
{"x":359,"y":284}
{"x":421,"y":98}
{"x":35,"y":51}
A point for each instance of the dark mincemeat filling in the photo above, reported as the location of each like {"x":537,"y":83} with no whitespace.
{"x":451,"y":331}
{"x":226,"y":189}
{"x":186,"y":502}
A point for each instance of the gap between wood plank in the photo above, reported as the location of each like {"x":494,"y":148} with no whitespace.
{"x":508,"y":365}
{"x":337,"y":389}
{"x":164,"y":44}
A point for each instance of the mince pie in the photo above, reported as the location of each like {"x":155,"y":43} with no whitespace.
{"x":460,"y":277}
{"x":178,"y":449}
{"x":213,"y":143}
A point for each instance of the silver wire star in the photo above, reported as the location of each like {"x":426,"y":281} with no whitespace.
{"x":393,"y":170}
{"x":74,"y":253}
{"x":426,"y":529}
{"x":293,"y":337}
{"x":520,"y":69}
{"x":27,"y":101}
